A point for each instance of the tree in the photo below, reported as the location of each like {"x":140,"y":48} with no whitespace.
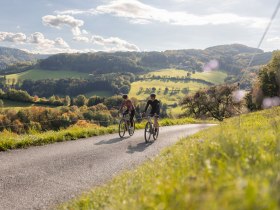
{"x":125,"y":89}
{"x":80,"y":100}
{"x":18,"y":95}
{"x":216,"y":102}
{"x":185,"y":90}
{"x":94,"y":100}
{"x":195,"y":104}
{"x":67,"y":101}
{"x":113,"y":102}
{"x":268,"y":83}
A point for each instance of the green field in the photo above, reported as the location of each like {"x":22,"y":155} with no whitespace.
{"x":38,"y":74}
{"x":99,"y":93}
{"x":165,"y":98}
{"x":230,"y":166}
{"x":19,"y":105}
{"x":216,"y":77}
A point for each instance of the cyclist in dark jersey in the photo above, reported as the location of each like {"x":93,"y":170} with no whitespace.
{"x":129,"y":108}
{"x":155,"y":105}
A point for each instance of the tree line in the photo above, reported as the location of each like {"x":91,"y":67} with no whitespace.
{"x":176,"y":79}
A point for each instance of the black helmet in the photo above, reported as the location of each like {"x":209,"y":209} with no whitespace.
{"x":124,"y":96}
{"x":153,"y":95}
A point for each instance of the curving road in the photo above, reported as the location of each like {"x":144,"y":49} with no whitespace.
{"x":42,"y":177}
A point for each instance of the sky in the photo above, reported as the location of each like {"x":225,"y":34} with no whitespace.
{"x":48,"y":27}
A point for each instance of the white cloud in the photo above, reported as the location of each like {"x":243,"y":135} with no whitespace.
{"x":140,"y":13}
{"x":63,"y":20}
{"x":37,"y":42}
{"x":111,"y":43}
{"x":77,"y":12}
{"x":55,"y":50}
{"x":12,"y":37}
{"x":81,"y":39}
{"x":60,"y":42}
{"x":40,"y":40}
{"x":84,"y":31}
{"x":274,"y":39}
{"x":119,"y":44}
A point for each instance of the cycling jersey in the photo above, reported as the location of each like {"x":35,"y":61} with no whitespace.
{"x":130,"y":108}
{"x":155,"y":104}
{"x":128,"y":104}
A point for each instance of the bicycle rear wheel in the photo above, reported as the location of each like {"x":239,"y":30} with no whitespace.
{"x":155,"y":134}
{"x":148,"y":132}
{"x":122,"y":128}
{"x":132,"y":129}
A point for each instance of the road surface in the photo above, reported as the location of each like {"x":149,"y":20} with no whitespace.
{"x":43,"y":177}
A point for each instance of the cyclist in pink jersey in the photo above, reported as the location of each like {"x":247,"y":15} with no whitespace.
{"x":130,"y":109}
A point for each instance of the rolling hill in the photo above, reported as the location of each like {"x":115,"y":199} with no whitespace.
{"x":10,"y":56}
{"x":231,"y":58}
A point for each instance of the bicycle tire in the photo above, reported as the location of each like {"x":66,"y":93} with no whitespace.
{"x":155,"y":134}
{"x":122,"y":128}
{"x":147,"y":131}
{"x":132,"y":129}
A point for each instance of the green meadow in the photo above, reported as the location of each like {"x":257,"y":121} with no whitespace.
{"x":39,"y":74}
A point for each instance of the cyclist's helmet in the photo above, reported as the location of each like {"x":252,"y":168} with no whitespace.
{"x":153,"y":95}
{"x":125,"y":96}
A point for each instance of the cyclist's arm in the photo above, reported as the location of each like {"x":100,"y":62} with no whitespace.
{"x":130,"y":107}
{"x":147,"y":105}
{"x":158,"y":108}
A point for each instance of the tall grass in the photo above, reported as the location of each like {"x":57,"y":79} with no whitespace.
{"x":10,"y":140}
{"x":235,"y":165}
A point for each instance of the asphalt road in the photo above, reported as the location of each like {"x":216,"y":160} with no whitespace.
{"x":42,"y":177}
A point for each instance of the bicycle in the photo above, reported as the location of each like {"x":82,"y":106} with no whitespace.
{"x":150,"y":130}
{"x":125,"y":125}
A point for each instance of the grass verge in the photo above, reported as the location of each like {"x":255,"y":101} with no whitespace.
{"x":10,"y":140}
{"x":231,"y":166}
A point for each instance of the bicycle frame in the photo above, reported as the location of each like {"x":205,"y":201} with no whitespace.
{"x":125,"y":118}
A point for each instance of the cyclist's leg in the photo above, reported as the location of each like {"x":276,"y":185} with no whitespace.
{"x":156,"y":121}
{"x":132,"y":114}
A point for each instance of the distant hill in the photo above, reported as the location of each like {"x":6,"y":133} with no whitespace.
{"x":12,"y":56}
{"x":232,"y":58}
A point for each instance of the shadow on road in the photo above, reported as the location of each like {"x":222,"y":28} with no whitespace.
{"x":111,"y":141}
{"x":137,"y":148}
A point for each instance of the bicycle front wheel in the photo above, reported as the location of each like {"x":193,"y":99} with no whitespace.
{"x":148,"y":132}
{"x":155,"y":134}
{"x":122,"y":128}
